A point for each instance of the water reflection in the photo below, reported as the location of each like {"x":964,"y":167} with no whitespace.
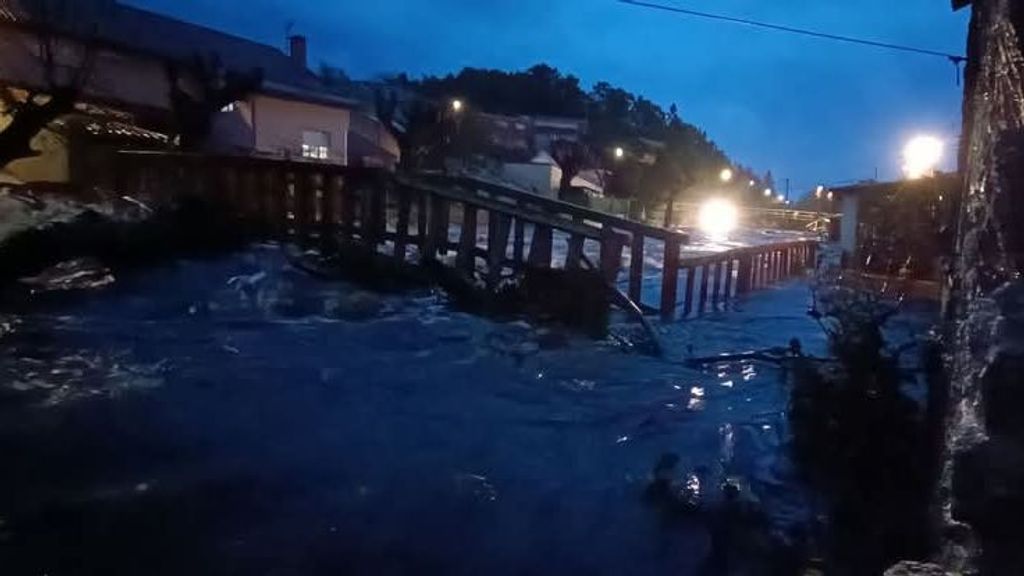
{"x":359,"y":433}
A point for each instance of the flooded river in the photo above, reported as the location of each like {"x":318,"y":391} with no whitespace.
{"x":235,"y":416}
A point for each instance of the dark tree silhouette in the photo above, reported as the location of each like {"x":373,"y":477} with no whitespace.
{"x":572,"y":158}
{"x":416,"y":126}
{"x":65,"y":65}
{"x":216,"y":88}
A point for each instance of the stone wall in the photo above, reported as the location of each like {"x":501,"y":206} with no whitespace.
{"x":983,"y":484}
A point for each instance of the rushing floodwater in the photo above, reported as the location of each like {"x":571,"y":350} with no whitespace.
{"x":234,"y":416}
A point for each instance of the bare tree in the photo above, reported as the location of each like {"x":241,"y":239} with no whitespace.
{"x":215,"y":88}
{"x":572,"y":157}
{"x":416,"y":126}
{"x":65,"y":53}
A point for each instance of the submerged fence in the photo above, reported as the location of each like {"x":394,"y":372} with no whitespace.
{"x":489,"y":228}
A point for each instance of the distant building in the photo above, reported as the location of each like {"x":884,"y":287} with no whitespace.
{"x":898,"y":228}
{"x":548,"y":129}
{"x":291,"y":116}
{"x":508,"y":133}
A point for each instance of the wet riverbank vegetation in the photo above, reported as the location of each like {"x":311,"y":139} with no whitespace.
{"x":863,"y":439}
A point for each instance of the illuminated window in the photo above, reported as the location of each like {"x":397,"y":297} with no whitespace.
{"x":316,"y":145}
{"x":230,"y":107}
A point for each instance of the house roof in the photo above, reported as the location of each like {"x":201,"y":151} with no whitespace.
{"x":137,"y":30}
{"x":950,"y":181}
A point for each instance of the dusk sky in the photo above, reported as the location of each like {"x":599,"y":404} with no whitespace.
{"x":810,"y":110}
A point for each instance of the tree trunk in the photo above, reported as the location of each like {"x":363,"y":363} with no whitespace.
{"x":983,"y":476}
{"x":565,"y":185}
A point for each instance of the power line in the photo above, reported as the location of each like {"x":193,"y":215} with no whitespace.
{"x":955,"y":58}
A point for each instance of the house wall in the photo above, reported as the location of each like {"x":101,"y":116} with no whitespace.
{"x":279,"y":125}
{"x":540,"y":178}
{"x":850,"y":208}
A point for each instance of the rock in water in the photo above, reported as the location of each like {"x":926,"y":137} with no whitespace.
{"x":916,"y":569}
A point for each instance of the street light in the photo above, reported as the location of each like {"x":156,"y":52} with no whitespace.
{"x":818,"y":192}
{"x":921,"y":156}
{"x":718,"y":217}
{"x":726,"y":175}
{"x":619,"y":153}
{"x":752,"y":183}
{"x":456,"y":105}
{"x":781,"y":198}
{"x":768,"y":192}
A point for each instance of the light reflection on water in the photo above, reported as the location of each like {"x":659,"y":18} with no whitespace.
{"x":340,"y":428}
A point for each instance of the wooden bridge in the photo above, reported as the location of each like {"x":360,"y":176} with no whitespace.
{"x":490,"y":229}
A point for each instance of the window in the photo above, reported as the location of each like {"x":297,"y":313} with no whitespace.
{"x":316,"y":144}
{"x":230,"y":107}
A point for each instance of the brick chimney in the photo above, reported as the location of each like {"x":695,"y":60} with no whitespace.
{"x":298,"y":50}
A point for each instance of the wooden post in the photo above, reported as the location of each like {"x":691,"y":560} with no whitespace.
{"x":611,"y":255}
{"x":743,"y":277}
{"x":273,"y":213}
{"x":716,"y":293}
{"x":347,"y":199}
{"x":437,"y":228}
{"x":466,"y":260}
{"x":421,"y":218}
{"x":728,"y":280}
{"x":498,"y":227}
{"x":519,"y":242}
{"x":541,"y":246}
{"x":305,"y":206}
{"x":670,"y":279}
{"x":705,"y":279}
{"x":574,"y":255}
{"x":441,"y":223}
{"x":373,"y":215}
{"x":402,"y":223}
{"x":636,"y":267}
{"x":688,"y":304}
{"x":331,"y":191}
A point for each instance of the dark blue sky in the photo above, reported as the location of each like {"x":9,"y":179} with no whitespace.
{"x":806,"y":109}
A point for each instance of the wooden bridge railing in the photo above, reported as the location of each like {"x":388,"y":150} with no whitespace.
{"x":322,"y":205}
{"x":637,"y":233}
{"x":714,"y":279}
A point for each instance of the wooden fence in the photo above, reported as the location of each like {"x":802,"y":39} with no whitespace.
{"x":322,"y":206}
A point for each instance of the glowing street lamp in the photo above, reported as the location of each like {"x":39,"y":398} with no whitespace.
{"x":726,"y":175}
{"x":819,"y":191}
{"x":619,"y":153}
{"x":768,"y":192}
{"x":457,"y":105}
{"x":718,"y":217}
{"x":752,"y":183}
{"x":921,"y":156}
{"x":780,"y":198}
